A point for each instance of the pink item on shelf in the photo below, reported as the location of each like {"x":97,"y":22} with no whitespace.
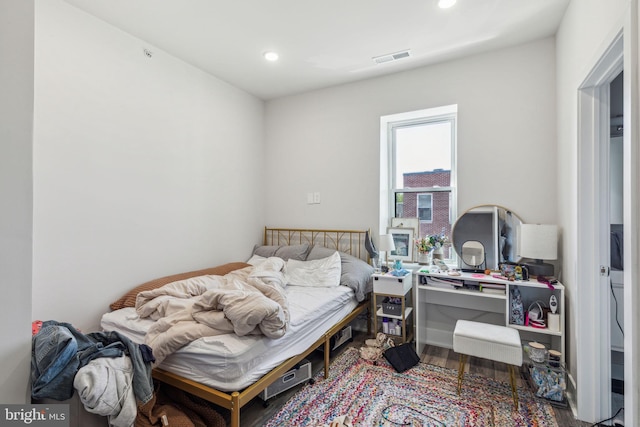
{"x":478,"y":275}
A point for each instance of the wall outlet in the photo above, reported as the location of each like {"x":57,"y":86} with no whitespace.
{"x":309,"y":198}
{"x":316,"y":197}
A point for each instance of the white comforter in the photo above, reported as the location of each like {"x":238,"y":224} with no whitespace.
{"x":246,"y":301}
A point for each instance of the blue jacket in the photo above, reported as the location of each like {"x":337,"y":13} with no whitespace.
{"x":59,"y":350}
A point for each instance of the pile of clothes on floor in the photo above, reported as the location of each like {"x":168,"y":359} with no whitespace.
{"x":109,"y":371}
{"x":112,"y":377}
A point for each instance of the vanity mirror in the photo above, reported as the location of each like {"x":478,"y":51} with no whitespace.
{"x":485,"y":236}
{"x":472,"y":254}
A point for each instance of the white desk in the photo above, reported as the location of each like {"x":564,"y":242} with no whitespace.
{"x":437,"y":309}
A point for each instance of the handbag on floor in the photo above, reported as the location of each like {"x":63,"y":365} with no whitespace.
{"x":402,"y":357}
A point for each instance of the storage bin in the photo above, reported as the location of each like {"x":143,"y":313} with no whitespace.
{"x":392,"y":306}
{"x":548,"y":382}
{"x":296,"y":376}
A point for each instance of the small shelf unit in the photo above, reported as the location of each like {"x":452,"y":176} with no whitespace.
{"x":389,"y":286}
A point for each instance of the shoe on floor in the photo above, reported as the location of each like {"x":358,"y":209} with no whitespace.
{"x":370,"y":353}
{"x":378,"y":341}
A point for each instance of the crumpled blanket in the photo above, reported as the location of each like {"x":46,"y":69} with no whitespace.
{"x":251,"y":300}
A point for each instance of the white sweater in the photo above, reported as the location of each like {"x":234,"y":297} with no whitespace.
{"x":104,"y":387}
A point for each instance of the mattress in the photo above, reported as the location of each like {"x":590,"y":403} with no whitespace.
{"x":230,"y":362}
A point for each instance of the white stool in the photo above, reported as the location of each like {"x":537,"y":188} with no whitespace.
{"x":493,"y":342}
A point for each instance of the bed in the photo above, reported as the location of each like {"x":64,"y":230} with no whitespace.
{"x":230,"y":370}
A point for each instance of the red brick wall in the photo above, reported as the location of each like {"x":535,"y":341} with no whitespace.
{"x":440,"y":200}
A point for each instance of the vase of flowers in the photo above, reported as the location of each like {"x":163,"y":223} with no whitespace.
{"x":423,"y":250}
{"x":430,"y":247}
{"x":424,"y":258}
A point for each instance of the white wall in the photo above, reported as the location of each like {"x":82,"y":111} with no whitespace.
{"x":328,"y":140}
{"x":143,"y":166}
{"x":588,"y":28}
{"x":16,"y":189}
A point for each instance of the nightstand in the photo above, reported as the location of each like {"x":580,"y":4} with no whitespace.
{"x":392,"y":304}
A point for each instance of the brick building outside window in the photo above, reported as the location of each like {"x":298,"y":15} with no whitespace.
{"x":431,"y":207}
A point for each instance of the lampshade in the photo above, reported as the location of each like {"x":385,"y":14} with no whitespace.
{"x":386,"y":243}
{"x":538,"y":241}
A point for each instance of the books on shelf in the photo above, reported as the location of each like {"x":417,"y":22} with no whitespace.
{"x":493,"y":291}
{"x":461,"y":283}
{"x":493,"y":285}
{"x":493,"y":288}
{"x":441,"y":282}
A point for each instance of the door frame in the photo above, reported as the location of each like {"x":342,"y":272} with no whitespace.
{"x":593,"y":207}
{"x":592,"y":241}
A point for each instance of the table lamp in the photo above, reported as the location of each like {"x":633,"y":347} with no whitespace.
{"x":539,"y":242}
{"x":386,"y":245}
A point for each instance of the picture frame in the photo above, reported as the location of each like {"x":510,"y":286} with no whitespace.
{"x":404,"y":242}
{"x":407,"y":223}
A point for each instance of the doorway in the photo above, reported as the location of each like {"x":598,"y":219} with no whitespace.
{"x":594,"y":355}
{"x":616,"y":243}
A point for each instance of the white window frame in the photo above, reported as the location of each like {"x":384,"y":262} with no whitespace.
{"x":388,"y":126}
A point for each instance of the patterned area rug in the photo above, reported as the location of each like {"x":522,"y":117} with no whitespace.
{"x":376,"y":395}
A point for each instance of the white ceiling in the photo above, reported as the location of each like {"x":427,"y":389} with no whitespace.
{"x":322,"y":43}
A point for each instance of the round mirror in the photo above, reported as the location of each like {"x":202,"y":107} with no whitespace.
{"x":494,"y":228}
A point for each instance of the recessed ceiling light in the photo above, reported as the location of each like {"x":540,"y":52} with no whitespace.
{"x":445,"y":4}
{"x":271,"y":56}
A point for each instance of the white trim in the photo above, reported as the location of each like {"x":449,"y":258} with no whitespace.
{"x":631,"y":162}
{"x":593,"y":345}
{"x":591,"y":404}
{"x":387,"y":123}
{"x":436,"y":112}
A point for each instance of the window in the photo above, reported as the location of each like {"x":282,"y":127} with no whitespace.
{"x":418,"y":169}
{"x":424,"y":207}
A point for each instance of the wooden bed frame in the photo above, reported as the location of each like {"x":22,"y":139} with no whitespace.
{"x":347,"y":241}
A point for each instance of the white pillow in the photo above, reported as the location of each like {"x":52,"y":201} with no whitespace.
{"x":324,"y":273}
{"x":256,"y":260}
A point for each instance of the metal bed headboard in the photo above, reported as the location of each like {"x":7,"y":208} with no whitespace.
{"x":351,"y":242}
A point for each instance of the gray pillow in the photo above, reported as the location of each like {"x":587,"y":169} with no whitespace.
{"x":356,"y":274}
{"x":298,"y":252}
{"x":319,"y":252}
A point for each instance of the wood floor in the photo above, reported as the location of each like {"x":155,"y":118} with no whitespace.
{"x":256,"y":413}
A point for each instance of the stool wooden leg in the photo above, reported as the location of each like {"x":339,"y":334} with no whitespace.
{"x":463,"y":360}
{"x":514,"y":390}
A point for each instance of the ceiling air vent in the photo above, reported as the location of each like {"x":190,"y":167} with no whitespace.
{"x":391,"y":57}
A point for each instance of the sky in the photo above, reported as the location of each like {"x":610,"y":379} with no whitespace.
{"x":423,"y":148}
